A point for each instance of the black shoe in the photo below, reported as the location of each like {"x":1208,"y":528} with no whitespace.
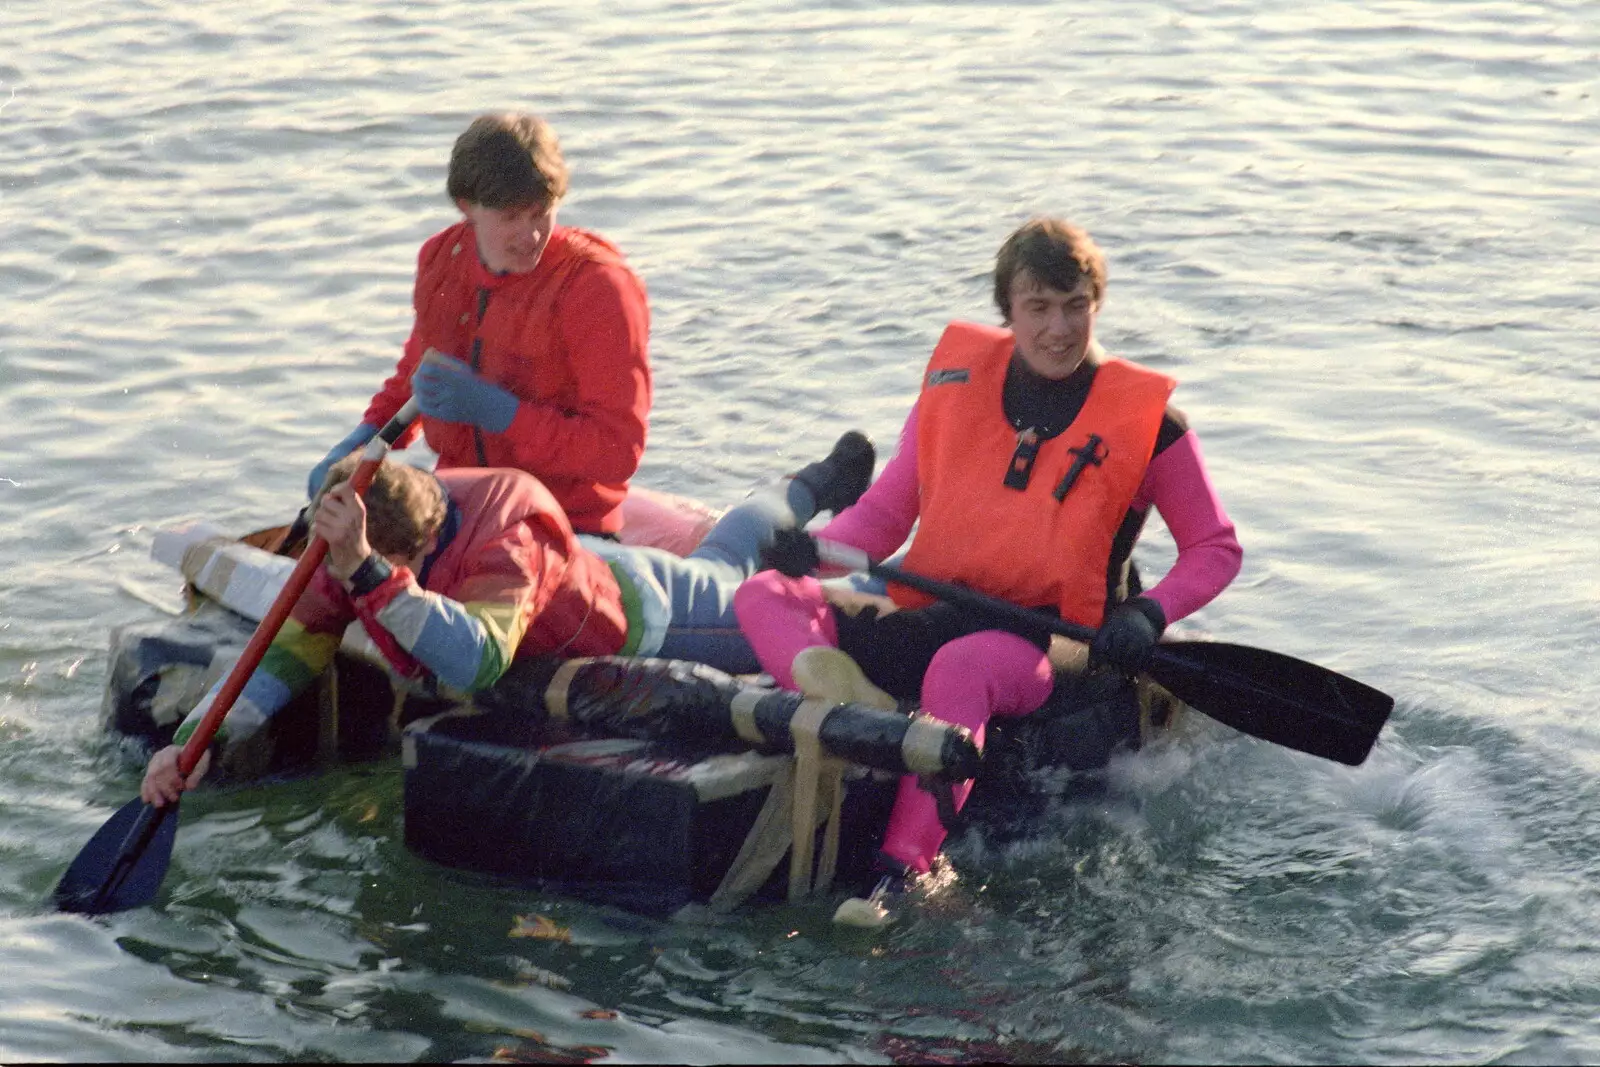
{"x":838,"y":481}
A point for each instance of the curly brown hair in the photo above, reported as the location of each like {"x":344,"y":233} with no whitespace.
{"x":1054,"y":252}
{"x":405,"y":505}
{"x":507,"y":160}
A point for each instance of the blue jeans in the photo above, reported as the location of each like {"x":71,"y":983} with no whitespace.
{"x":700,"y":586}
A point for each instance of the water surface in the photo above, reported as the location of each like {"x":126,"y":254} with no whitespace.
{"x":1362,"y":235}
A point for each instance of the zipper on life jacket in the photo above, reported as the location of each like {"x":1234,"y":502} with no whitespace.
{"x":477,"y":358}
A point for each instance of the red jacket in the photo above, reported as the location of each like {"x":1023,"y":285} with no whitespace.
{"x":570,"y":338}
{"x":509,"y":554}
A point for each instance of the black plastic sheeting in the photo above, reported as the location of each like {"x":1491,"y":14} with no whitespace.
{"x":510,"y":793}
{"x":618,"y":821}
{"x":664,"y":699}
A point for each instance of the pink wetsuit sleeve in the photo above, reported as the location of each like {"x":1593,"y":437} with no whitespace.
{"x":881,"y":520}
{"x":1209,"y":554}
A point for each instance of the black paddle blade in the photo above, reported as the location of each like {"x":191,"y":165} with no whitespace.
{"x":1275,"y":697}
{"x":122,"y":865}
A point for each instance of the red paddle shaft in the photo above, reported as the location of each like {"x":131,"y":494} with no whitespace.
{"x":278,"y":614}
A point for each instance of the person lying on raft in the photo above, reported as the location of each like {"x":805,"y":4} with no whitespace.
{"x":1027,"y":466}
{"x":456,"y":572}
{"x":539,"y":333}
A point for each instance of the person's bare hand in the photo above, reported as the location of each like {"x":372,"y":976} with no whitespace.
{"x":162,"y":782}
{"x":341,"y":520}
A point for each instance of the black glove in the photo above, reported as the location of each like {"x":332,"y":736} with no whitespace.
{"x":1127,"y":639}
{"x":791,"y":552}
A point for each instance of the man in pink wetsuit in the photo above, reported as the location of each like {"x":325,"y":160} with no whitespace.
{"x":1027,"y":465}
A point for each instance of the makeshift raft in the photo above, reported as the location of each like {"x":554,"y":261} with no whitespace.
{"x":649,"y":784}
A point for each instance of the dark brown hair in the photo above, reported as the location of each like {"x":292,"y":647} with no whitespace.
{"x":507,"y":160}
{"x":1053,"y":252}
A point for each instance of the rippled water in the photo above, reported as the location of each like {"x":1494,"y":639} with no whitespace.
{"x":1363,"y":235}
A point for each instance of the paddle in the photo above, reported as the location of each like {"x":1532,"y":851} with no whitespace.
{"x":124,"y":862}
{"x":1264,"y":694}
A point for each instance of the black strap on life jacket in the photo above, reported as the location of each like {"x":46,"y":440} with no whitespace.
{"x":1094,"y":451}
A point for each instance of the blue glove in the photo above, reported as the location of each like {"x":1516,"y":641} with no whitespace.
{"x":353,"y":440}
{"x":449,"y":391}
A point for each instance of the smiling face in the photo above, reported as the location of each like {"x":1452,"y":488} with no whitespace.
{"x":1054,"y":328}
{"x":510,"y":239}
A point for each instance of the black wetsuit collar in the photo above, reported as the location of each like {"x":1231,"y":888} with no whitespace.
{"x":447,"y":534}
{"x":1045,"y":405}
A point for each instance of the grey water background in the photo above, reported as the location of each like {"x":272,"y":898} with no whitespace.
{"x":1362,"y":234}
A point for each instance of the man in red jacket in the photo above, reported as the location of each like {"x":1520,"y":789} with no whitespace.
{"x":454,"y":574}
{"x":530,"y":344}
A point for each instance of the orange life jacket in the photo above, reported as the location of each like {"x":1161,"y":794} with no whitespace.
{"x":1025,"y":546}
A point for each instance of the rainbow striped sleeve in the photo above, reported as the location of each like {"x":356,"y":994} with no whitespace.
{"x":291,"y":663}
{"x":466,"y":644}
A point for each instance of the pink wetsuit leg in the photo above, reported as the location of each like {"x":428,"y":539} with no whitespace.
{"x":970,"y":679}
{"x":780,"y":616}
